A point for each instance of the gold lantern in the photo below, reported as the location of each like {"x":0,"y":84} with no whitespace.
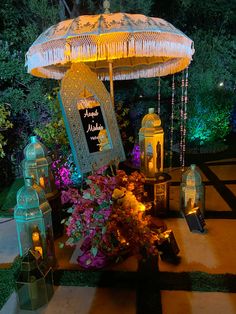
{"x":151,"y":141}
{"x":34,"y":284}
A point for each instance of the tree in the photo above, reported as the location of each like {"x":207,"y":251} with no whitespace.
{"x":26,"y":95}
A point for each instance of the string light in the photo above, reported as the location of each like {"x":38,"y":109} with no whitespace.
{"x":185,"y":116}
{"x":159,"y":96}
{"x":181,"y":120}
{"x":172,"y":119}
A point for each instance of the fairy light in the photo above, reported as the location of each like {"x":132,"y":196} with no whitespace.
{"x":159,"y":96}
{"x":181,"y":120}
{"x":172,"y":119}
{"x":185,"y":116}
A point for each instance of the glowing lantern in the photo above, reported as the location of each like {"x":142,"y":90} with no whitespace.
{"x":37,"y":240}
{"x":33,"y":221}
{"x":37,"y":165}
{"x":192,"y":191}
{"x":151,"y":142}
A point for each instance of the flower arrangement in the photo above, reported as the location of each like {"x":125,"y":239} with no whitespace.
{"x":65,"y":172}
{"x":108,"y":217}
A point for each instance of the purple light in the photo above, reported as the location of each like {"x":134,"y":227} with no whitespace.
{"x":136,"y":155}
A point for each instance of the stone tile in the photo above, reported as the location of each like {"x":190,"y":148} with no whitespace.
{"x":232,"y":188}
{"x":11,"y":306}
{"x":221,"y":160}
{"x":87,"y":300}
{"x":186,"y":302}
{"x":224,"y":172}
{"x":212,"y":252}
{"x":8,"y":240}
{"x":214,"y":201}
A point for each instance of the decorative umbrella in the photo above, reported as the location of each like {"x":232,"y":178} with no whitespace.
{"x":118,"y":46}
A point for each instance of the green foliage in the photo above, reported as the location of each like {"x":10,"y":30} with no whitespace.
{"x":212,"y":15}
{"x":4,"y":125}
{"x":132,"y":6}
{"x":123,"y":120}
{"x":210,"y":116}
{"x":8,"y":280}
{"x":210,"y":105}
{"x":21,"y":23}
{"x":53,"y":133}
{"x":213,"y":59}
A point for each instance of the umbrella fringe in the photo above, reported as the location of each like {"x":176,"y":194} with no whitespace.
{"x":161,"y":69}
{"x":87,"y":49}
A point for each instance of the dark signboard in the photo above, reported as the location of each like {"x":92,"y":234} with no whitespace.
{"x":93,"y":123}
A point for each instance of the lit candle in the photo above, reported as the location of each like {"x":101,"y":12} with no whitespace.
{"x":42,"y":182}
{"x":37,"y":246}
{"x":150,"y":165}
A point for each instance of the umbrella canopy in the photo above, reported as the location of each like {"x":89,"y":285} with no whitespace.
{"x":137,"y":46}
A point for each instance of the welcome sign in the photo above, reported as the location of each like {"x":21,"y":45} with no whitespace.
{"x":93,"y":123}
{"x":90,"y":120}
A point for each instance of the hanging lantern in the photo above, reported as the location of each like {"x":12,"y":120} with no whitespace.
{"x":33,"y":221}
{"x":192,"y":191}
{"x":151,"y":141}
{"x":37,"y":164}
{"x":35,"y":283}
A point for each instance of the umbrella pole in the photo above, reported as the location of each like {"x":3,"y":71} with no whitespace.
{"x":111,"y":83}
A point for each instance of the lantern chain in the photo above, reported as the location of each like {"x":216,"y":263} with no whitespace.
{"x":172,"y":119}
{"x":185,"y":116}
{"x":181,"y":120}
{"x":159,"y":96}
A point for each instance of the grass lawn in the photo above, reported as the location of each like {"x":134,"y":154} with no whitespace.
{"x":8,"y":198}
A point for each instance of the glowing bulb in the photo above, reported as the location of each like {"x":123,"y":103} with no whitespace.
{"x":142,"y":207}
{"x":41,"y":182}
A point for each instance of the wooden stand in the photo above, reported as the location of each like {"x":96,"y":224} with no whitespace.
{"x":158,"y":193}
{"x":54,"y":200}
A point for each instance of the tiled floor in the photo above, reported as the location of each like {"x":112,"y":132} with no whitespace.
{"x":213,"y":252}
{"x":184,"y":302}
{"x":8,"y":241}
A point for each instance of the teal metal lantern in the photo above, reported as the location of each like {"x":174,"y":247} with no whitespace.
{"x":34,"y":284}
{"x":37,"y":164}
{"x":33,"y":221}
